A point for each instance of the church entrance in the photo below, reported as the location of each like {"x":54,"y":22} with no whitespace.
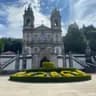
{"x":45,"y":55}
{"x":44,"y":59}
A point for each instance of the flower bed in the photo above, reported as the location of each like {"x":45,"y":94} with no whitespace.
{"x":52,"y":75}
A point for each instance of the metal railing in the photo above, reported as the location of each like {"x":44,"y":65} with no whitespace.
{"x":82,"y":63}
{"x":2,"y":66}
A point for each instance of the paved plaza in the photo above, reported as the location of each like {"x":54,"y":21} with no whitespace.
{"x":9,"y":88}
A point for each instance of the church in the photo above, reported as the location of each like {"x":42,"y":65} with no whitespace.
{"x":43,"y":42}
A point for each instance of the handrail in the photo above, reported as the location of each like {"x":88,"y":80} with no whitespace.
{"x":7,"y":63}
{"x":93,"y":60}
{"x":79,"y":62}
{"x":91,"y":64}
{"x":8,"y":60}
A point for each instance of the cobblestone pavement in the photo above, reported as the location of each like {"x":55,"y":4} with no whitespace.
{"x":9,"y":88}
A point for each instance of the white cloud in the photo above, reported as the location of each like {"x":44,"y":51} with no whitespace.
{"x":41,"y":19}
{"x":15,"y":21}
{"x":81,"y":11}
{"x":15,"y":18}
{"x":64,"y":29}
{"x":84,"y":12}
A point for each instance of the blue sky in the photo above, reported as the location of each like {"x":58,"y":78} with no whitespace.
{"x":11,"y":14}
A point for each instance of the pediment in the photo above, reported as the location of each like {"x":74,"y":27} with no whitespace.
{"x":42,"y":27}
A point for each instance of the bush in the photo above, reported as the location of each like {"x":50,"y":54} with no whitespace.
{"x":50,"y":69}
{"x":39,"y":74}
{"x":55,"y":74}
{"x":51,"y":75}
{"x":48,"y":65}
{"x":47,"y":79}
{"x":66,"y":74}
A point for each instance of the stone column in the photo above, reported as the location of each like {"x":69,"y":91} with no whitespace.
{"x":24,"y":62}
{"x":70,"y":60}
{"x":32,"y":61}
{"x":88,"y":53}
{"x":64,"y":61}
{"x":64,"y":58}
{"x":17,"y":62}
{"x":60,"y":61}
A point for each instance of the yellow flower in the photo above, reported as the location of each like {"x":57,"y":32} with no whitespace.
{"x":19,"y":74}
{"x":81,"y":72}
{"x":63,"y":73}
{"x":39,"y":74}
{"x":29,"y":74}
{"x":54,"y":74}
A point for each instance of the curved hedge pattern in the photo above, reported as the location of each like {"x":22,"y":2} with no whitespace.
{"x":51,"y":75}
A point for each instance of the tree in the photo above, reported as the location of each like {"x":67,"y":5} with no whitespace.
{"x":90,"y":33}
{"x":1,"y":45}
{"x":10,"y":44}
{"x":73,"y":40}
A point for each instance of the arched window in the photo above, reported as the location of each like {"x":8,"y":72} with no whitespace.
{"x":28,"y":22}
{"x":49,"y":49}
{"x":58,"y":50}
{"x":28,"y":50}
{"x":55,"y":22}
{"x":36,"y":49}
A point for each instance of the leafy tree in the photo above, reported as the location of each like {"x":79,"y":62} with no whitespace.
{"x":73,"y":40}
{"x":10,"y":44}
{"x":90,"y":33}
{"x":1,"y":45}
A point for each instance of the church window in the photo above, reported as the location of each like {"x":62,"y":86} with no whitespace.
{"x":35,"y":49}
{"x":56,"y":37}
{"x":56,"y":23}
{"x":49,"y":49}
{"x":28,"y":50}
{"x":36,"y":37}
{"x":28,"y":21}
{"x":49,"y":36}
{"x":57,"y":50}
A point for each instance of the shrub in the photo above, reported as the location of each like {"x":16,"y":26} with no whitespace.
{"x":47,"y":79}
{"x":51,"y":75}
{"x":66,"y":74}
{"x":54,"y":74}
{"x":40,"y":74}
{"x":19,"y":74}
{"x":29,"y":74}
{"x":81,"y":72}
{"x":48,"y":65}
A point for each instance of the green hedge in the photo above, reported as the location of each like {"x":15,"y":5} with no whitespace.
{"x":48,"y":70}
{"x":49,"y":65}
{"x":26,"y":78}
{"x":46,"y":79}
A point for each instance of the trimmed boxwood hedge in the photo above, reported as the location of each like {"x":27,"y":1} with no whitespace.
{"x":47,"y":65}
{"x":48,"y":70}
{"x":50,"y":79}
{"x":61,"y":79}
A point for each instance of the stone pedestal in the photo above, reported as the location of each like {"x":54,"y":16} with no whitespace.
{"x":17,"y":63}
{"x":24,"y":62}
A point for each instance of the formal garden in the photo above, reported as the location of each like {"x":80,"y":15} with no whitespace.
{"x":49,"y":73}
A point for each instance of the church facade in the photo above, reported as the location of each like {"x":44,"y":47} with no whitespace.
{"x":42,"y":41}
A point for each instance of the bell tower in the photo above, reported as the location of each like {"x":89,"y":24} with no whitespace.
{"x":28,"y":18}
{"x":28,"y":27}
{"x":55,"y":19}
